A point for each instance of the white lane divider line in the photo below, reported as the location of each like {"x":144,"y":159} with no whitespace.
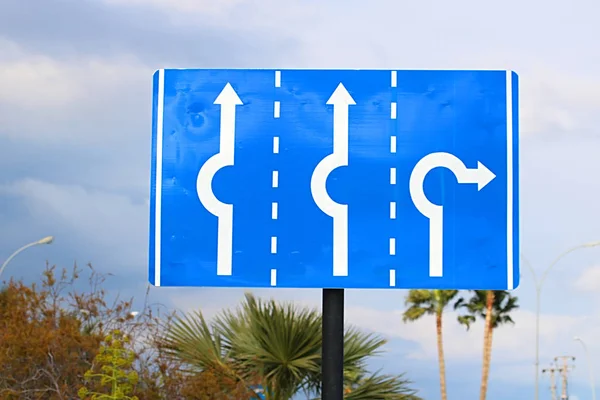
{"x":159,"y":151}
{"x":277,"y":78}
{"x":275,"y":178}
{"x":273,"y":277}
{"x":393,"y":115}
{"x":273,"y":244}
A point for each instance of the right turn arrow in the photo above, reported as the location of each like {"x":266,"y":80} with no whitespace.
{"x":480,"y":175}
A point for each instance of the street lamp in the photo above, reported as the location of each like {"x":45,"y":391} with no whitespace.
{"x":46,"y":240}
{"x":538,"y":290}
{"x":589,"y":361}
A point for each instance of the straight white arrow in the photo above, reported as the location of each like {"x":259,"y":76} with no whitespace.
{"x":228,"y":100}
{"x":341,"y":100}
{"x":480,"y":175}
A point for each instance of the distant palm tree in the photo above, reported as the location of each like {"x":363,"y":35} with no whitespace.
{"x":277,"y":346}
{"x":494,"y":307}
{"x":431,"y":302}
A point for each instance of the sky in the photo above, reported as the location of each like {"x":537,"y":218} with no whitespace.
{"x":75,"y":129}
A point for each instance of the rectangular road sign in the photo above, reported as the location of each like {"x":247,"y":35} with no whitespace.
{"x":335,"y":179}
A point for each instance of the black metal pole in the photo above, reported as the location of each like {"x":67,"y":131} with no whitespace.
{"x":332,"y":368}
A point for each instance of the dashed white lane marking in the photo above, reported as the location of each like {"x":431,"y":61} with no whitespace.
{"x":393,"y":115}
{"x":275,"y":205}
{"x":276,"y":109}
{"x":273,"y":277}
{"x":277,"y":78}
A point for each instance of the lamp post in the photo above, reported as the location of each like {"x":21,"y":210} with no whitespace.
{"x":46,"y":240}
{"x":538,"y":291}
{"x":589,"y":361}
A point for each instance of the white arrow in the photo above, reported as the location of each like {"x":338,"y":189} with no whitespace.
{"x":228,"y":100}
{"x":341,"y":100}
{"x":480,"y":175}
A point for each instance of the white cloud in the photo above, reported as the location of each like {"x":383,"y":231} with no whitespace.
{"x":45,"y":99}
{"x":257,"y":14}
{"x":35,"y":81}
{"x":104,"y":102}
{"x":513,"y":346}
{"x":559,"y":101}
{"x":185,"y":6}
{"x":588,"y":280}
{"x":511,"y":343}
{"x":108,"y":223}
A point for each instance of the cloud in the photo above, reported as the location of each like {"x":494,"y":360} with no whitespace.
{"x":34,"y":81}
{"x":511,"y":343}
{"x":588,"y":280}
{"x":94,"y":28}
{"x":106,"y":227}
{"x":75,"y":88}
{"x":85,"y":102}
{"x":559,"y":102}
{"x":203,"y":7}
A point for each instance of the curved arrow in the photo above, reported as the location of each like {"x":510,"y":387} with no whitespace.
{"x":228,"y":99}
{"x":341,"y":100}
{"x":480,"y":175}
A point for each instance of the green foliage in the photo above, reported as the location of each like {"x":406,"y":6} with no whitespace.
{"x":476,"y":307}
{"x":53,"y":340}
{"x":116,"y":374}
{"x":375,"y":386}
{"x":430,"y":302}
{"x":277,"y":345}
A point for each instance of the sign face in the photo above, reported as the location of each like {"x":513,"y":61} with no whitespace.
{"x":335,"y":179}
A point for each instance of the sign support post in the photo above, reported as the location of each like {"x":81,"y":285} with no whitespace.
{"x":332,"y":367}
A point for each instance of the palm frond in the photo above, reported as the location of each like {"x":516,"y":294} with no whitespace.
{"x":381,"y":387}
{"x":276,"y":345}
{"x":475,"y":307}
{"x":192,"y":340}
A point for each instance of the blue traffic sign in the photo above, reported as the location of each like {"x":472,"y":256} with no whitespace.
{"x":335,"y":179}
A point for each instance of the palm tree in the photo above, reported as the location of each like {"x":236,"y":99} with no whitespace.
{"x":494,"y":307}
{"x":431,"y":302}
{"x":277,"y":346}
